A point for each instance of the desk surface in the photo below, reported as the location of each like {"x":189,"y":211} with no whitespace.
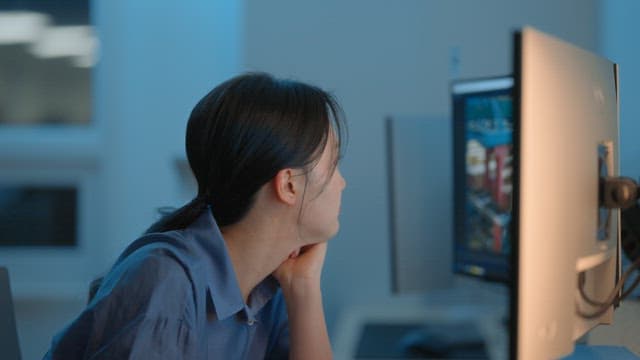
{"x":601,"y":352}
{"x":601,"y":345}
{"x":488,"y":321}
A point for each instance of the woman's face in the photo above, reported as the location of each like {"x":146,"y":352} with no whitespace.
{"x":319,"y":220}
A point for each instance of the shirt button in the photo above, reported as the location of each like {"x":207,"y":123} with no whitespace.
{"x":251,"y":322}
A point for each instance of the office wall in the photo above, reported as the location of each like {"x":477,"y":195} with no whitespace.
{"x":390,"y":58}
{"x":619,"y":28}
{"x":158,"y":58}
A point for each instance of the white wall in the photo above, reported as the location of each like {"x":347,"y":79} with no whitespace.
{"x":390,"y":58}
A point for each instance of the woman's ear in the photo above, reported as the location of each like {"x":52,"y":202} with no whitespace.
{"x":287,"y":186}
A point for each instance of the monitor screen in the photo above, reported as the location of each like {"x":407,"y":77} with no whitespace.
{"x":483,"y":129}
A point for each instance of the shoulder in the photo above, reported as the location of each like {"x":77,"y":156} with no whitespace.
{"x":156,"y":256}
{"x":153,"y":280}
{"x":147,"y":294}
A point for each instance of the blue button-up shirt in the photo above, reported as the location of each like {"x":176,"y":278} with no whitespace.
{"x":174,"y":295}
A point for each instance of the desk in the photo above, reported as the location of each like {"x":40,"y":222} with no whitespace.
{"x":488,"y":320}
{"x":601,"y":352}
{"x":624,"y":330}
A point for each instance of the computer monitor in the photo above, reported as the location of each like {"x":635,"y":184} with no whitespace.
{"x":8,"y":332}
{"x":566,"y":134}
{"x":529,"y":153}
{"x":483,"y":140}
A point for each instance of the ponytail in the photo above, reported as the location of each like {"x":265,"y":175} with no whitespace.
{"x":179,"y":218}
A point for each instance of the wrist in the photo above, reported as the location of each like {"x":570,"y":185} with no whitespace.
{"x":301,"y":290}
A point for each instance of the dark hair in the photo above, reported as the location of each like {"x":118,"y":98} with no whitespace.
{"x":242,"y":133}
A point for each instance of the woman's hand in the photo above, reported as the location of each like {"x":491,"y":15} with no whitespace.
{"x":302,"y":269}
{"x":299,"y":278}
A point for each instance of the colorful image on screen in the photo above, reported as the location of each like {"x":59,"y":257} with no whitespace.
{"x":484,"y":182}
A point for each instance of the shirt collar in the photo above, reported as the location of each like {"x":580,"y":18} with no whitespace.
{"x":219,"y":274}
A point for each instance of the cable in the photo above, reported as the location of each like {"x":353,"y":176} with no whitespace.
{"x":582,"y":278}
{"x":613,"y":298}
{"x":617,"y":193}
{"x":628,"y":292}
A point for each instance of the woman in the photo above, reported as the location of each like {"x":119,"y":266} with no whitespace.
{"x":235,"y":273}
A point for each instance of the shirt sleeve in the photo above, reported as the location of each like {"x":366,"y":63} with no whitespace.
{"x":143,"y":310}
{"x":151,"y":339}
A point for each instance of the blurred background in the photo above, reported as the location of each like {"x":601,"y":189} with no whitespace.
{"x":94,"y":98}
